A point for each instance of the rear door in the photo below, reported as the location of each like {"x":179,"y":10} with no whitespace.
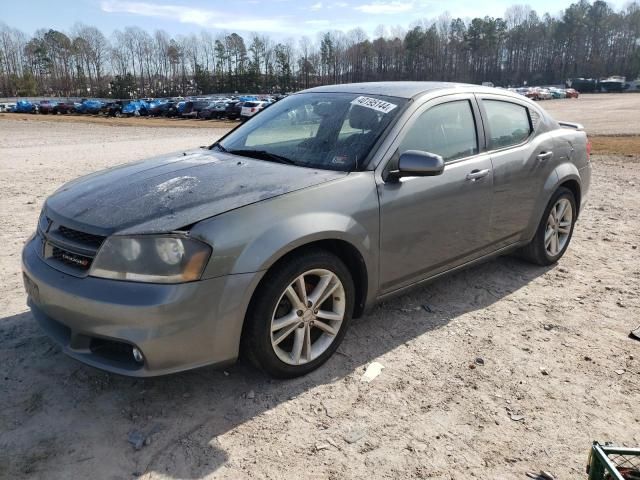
{"x":522,"y":158}
{"x":431,"y":224}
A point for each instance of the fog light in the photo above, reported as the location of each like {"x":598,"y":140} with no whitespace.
{"x":137,"y":355}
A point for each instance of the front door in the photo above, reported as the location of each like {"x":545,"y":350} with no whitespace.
{"x":431,"y":224}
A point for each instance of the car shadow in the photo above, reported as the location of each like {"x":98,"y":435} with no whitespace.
{"x":71,"y":411}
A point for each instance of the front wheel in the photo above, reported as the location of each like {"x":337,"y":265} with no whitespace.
{"x":299,"y":315}
{"x":554,"y":231}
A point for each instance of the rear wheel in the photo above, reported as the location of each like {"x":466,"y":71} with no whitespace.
{"x":554,"y":231}
{"x":299,"y":315}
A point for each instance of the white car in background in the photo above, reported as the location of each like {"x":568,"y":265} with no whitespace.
{"x":249,"y":109}
{"x":544,"y":94}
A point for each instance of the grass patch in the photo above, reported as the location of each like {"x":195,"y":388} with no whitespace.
{"x":627,"y":145}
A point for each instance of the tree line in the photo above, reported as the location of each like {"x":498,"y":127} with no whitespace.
{"x":588,"y":40}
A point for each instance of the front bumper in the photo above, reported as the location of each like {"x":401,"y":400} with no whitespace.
{"x":176,"y":327}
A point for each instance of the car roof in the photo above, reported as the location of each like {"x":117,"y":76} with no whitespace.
{"x":410,"y":90}
{"x":392,"y":89}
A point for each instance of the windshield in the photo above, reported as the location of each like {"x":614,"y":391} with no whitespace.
{"x":333,"y":131}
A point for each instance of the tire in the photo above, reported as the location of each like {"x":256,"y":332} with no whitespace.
{"x":541,"y":249}
{"x":273,"y":351}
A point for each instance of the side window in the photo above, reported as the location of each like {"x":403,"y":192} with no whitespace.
{"x":508,"y":123}
{"x":448,"y":130}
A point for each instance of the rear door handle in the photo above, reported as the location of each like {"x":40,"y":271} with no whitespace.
{"x":477,"y":174}
{"x":544,"y":156}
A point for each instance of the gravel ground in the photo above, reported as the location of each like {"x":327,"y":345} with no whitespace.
{"x":493,"y":372}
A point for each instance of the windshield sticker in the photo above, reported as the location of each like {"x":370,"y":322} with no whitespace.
{"x":374,"y":104}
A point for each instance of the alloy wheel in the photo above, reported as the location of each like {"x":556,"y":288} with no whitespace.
{"x":558,"y":228}
{"x":308,"y":316}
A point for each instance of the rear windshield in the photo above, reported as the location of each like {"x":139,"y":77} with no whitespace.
{"x":333,"y":131}
{"x":251,"y":104}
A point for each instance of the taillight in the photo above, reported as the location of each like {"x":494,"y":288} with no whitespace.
{"x":253,"y":109}
{"x":588,"y":149}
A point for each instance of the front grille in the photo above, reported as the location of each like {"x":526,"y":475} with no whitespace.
{"x":71,"y":259}
{"x":69,"y":250}
{"x":88,"y":239}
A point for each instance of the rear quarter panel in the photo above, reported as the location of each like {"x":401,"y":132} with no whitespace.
{"x":570,"y":164}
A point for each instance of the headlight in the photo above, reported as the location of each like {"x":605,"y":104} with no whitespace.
{"x":151,"y":258}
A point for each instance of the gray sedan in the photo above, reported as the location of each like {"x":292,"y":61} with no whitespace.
{"x":267,"y":243}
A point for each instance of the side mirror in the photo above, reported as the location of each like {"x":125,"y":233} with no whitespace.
{"x":416,"y":163}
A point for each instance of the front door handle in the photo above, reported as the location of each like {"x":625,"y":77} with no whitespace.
{"x":477,"y":174}
{"x":544,"y":156}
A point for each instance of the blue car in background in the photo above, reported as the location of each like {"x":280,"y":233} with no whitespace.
{"x":89,"y":106}
{"x":136,"y":108}
{"x":176,"y":109}
{"x":25,"y":106}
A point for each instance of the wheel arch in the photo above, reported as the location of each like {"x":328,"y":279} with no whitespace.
{"x":564,"y":175}
{"x":573,"y":185}
{"x":345,"y":251}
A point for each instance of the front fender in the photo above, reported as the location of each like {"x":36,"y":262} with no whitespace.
{"x":254,"y":237}
{"x":293,"y":232}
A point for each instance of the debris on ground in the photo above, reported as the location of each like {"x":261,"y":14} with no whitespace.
{"x":354,"y":434}
{"x":480,"y":360}
{"x":427,"y":308}
{"x":515,"y":416}
{"x":136,"y":438}
{"x":542,"y":475}
{"x":635,"y":334}
{"x":373,"y":370}
{"x":620,"y":371}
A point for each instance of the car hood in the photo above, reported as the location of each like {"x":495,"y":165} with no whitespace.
{"x":174,"y":191}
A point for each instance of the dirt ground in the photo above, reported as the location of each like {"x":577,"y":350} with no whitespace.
{"x":601,"y":114}
{"x":490,"y":373}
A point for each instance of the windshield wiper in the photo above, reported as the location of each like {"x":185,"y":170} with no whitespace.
{"x":263,"y":155}
{"x":219,"y":146}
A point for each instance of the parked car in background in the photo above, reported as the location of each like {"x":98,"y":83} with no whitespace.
{"x":249,"y":109}
{"x":572,"y":93}
{"x":544,"y":94}
{"x":7,"y":107}
{"x":213,"y":110}
{"x":46,"y":106}
{"x":175,"y":109}
{"x":114,"y":109}
{"x":233,"y":109}
{"x":557,"y":92}
{"x":135,"y":108}
{"x":193,"y":107}
{"x":64,"y":107}
{"x":25,"y":106}
{"x":156,"y":267}
{"x":92,"y":107}
{"x":159,"y":108}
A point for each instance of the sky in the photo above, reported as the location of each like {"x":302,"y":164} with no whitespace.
{"x":279,"y":18}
